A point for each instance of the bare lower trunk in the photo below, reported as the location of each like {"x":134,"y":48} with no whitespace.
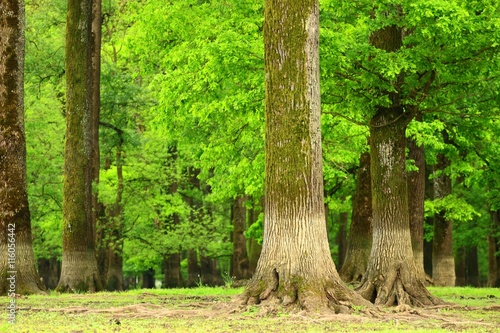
{"x":49,"y":271}
{"x":148,"y":279}
{"x":114,"y":274}
{"x":341,"y":238}
{"x":360,"y":235}
{"x":416,"y":198}
{"x":172,"y":271}
{"x":194,"y":273}
{"x":472,"y":267}
{"x":443,"y":261}
{"x":460,"y":268}
{"x":210,"y":275}
{"x":17,"y":262}
{"x":494,"y":251}
{"x":239,"y":263}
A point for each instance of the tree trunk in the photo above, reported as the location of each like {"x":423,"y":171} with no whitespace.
{"x":494,"y":251}
{"x":172,"y":271}
{"x":239,"y":263}
{"x":429,"y":220}
{"x":79,"y":266}
{"x":443,"y":262}
{"x":49,"y":271}
{"x":254,"y":248}
{"x":148,"y":279}
{"x":472,"y":266}
{"x":17,"y":262}
{"x":360,"y":234}
{"x":193,"y":269}
{"x":295,"y":265}
{"x":416,"y":198}
{"x":210,"y":276}
{"x":391,"y":277}
{"x":460,"y":268}
{"x":341,"y":238}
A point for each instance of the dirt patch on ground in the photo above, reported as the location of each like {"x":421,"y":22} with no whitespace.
{"x":449,"y":317}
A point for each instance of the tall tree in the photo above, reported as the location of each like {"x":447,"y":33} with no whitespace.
{"x":17,"y":262}
{"x":295,"y":265}
{"x":391,"y":277}
{"x":360,"y":234}
{"x":79,"y":266}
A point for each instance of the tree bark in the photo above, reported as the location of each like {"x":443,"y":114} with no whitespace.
{"x":391,"y":277}
{"x":193,"y":269}
{"x":443,"y":262}
{"x":460,"y":268}
{"x":429,"y":220}
{"x":17,"y":262}
{"x":210,"y":275}
{"x":148,"y":279}
{"x":360,"y":234}
{"x":172,"y":271}
{"x":49,"y":271}
{"x":416,"y":198}
{"x":239,"y":261}
{"x":494,"y":251}
{"x":79,"y":266}
{"x":472,"y":266}
{"x":295,"y":266}
{"x":341,"y":238}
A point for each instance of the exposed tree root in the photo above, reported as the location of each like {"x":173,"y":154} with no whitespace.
{"x":399,"y":288}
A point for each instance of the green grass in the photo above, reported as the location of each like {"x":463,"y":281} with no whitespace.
{"x":207,"y":310}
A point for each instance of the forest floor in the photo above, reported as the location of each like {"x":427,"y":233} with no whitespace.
{"x":213,"y":310}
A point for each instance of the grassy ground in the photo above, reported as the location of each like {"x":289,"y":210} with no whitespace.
{"x":211,"y":310}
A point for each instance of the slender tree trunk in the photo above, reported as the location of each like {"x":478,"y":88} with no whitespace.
{"x":17,"y":262}
{"x":391,"y":277}
{"x":79,"y":266}
{"x":443,"y":262}
{"x":254,"y":248}
{"x":460,"y":268}
{"x":295,"y":265}
{"x":416,"y":198}
{"x":429,"y":220}
{"x":239,"y":263}
{"x":342,"y":238}
{"x":360,"y":234}
{"x":494,"y":251}
{"x":172,"y":271}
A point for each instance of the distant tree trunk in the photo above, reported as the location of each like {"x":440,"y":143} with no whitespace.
{"x":494,"y":251}
{"x":239,"y":263}
{"x":341,"y":238}
{"x":254,"y":248}
{"x":148,"y":279}
{"x":79,"y":266}
{"x":472,"y":266}
{"x":49,"y":271}
{"x":391,"y":277}
{"x":416,"y":198}
{"x":17,"y":262}
{"x":460,"y":268}
{"x":193,"y":269}
{"x":429,"y":220}
{"x":172,"y":271}
{"x":360,"y":236}
{"x":210,"y":275}
{"x":443,"y":262}
{"x":295,"y":265}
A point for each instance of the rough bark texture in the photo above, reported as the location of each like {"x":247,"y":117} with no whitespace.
{"x":17,"y":262}
{"x":360,"y":234}
{"x":416,"y":198}
{"x":443,"y":262}
{"x":295,"y":266}
{"x":79,"y":267}
{"x":391,"y":277}
{"x":494,"y":251}
{"x":240,"y":266}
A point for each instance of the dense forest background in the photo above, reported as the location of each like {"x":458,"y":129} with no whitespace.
{"x":182,"y":131}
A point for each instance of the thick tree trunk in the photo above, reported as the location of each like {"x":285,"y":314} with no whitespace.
{"x":49,"y":271}
{"x":79,"y":266}
{"x":295,"y":265}
{"x":194,"y":272}
{"x":391,"y":277}
{"x":443,"y":262}
{"x":360,"y":235}
{"x":416,"y":198}
{"x":172,"y":271}
{"x":17,"y":262}
{"x":494,"y":251}
{"x":148,"y":279}
{"x":239,"y":263}
{"x":472,"y":266}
